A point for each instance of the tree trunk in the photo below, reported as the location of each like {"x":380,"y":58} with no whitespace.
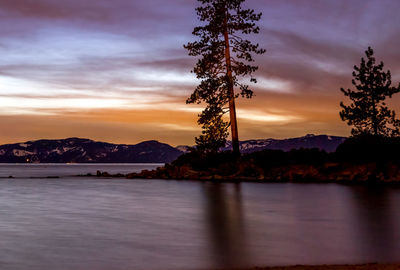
{"x":374,"y":116}
{"x":232,"y":107}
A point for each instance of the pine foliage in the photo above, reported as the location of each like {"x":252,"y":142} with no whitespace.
{"x":224,"y":57}
{"x":368,"y":113}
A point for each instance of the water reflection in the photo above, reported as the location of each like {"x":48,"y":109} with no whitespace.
{"x":376,"y":227}
{"x":79,"y":223}
{"x":224,"y":217}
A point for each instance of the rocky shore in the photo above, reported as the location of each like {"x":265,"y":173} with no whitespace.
{"x":327,"y":172}
{"x":357,"y":160}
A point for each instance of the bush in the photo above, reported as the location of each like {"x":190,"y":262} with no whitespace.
{"x":369,"y":148}
{"x":204,"y":161}
{"x":274,"y":158}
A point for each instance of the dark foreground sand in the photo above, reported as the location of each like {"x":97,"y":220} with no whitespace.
{"x":336,"y":267}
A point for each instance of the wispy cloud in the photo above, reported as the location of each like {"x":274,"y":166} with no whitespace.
{"x":79,"y":57}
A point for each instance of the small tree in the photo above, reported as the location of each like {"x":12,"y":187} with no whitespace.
{"x":215,"y":130}
{"x":368,"y":112}
{"x":225,"y":56}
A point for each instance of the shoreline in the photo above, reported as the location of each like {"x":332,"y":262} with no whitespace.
{"x":250,"y":171}
{"x":369,"y":173}
{"x":218,"y":179}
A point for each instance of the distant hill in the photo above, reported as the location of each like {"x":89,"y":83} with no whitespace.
{"x":76,"y":150}
{"x":323,"y":142}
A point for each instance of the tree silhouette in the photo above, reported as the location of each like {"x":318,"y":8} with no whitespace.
{"x":368,"y":112}
{"x":215,"y":130}
{"x":224,"y":57}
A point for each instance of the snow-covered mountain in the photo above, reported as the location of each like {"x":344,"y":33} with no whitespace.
{"x":184,"y":148}
{"x":78,"y":150}
{"x":323,"y":142}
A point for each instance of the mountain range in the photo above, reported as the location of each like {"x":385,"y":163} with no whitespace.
{"x":77,"y":150}
{"x":323,"y":142}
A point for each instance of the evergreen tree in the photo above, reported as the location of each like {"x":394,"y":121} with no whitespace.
{"x":224,"y":57}
{"x":368,"y":112}
{"x":215,"y":130}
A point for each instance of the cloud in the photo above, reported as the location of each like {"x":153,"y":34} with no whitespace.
{"x":260,"y":116}
{"x":72,"y":59}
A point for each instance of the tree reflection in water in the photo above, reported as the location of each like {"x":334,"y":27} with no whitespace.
{"x":226,"y":226}
{"x":377,"y":229}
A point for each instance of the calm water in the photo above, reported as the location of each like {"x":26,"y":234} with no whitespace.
{"x":92,"y":224}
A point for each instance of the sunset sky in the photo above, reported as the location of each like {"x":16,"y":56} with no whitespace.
{"x":116,"y":71}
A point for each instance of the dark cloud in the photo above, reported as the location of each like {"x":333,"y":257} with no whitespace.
{"x":296,"y":46}
{"x":56,"y":9}
{"x":101,"y":10}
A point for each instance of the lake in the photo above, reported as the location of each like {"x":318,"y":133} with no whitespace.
{"x":101,"y":224}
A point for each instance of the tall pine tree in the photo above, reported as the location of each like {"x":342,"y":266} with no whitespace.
{"x":368,"y":113}
{"x":224,"y":57}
